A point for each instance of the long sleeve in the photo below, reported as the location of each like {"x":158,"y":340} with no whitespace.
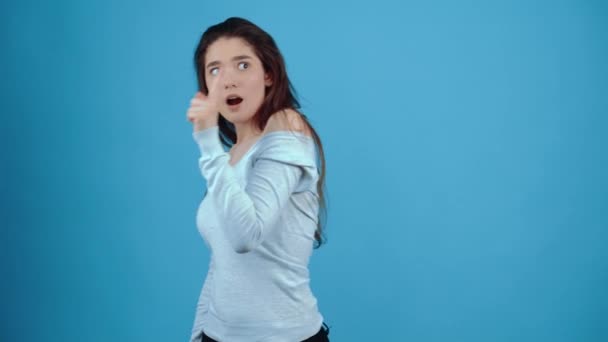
{"x":203,"y":304}
{"x":284,"y":165}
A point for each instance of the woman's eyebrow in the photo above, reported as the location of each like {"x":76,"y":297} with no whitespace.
{"x":234,"y":59}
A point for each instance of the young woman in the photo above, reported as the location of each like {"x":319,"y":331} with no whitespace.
{"x":261,"y":214}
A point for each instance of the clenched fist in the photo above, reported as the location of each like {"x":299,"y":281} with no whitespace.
{"x":203,"y":110}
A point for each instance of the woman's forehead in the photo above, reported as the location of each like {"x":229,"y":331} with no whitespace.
{"x":224,"y":49}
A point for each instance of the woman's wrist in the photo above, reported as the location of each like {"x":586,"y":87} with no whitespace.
{"x":200,"y":125}
{"x":208,"y":141}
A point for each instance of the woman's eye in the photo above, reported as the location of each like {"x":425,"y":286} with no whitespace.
{"x":214,"y":71}
{"x":243,"y":65}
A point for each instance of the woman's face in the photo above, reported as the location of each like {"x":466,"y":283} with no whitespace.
{"x":243,"y":80}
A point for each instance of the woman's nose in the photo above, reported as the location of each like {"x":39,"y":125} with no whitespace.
{"x":229,"y":81}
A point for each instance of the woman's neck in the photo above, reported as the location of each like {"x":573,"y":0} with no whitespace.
{"x":246,"y":132}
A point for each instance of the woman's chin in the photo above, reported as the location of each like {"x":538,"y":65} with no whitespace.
{"x":237,"y":117}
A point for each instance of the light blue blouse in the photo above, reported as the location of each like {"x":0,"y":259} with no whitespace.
{"x":258,"y":220}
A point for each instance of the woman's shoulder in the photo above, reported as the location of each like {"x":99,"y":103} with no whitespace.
{"x":287,"y":120}
{"x":286,"y":138}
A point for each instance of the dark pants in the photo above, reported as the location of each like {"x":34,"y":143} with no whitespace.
{"x":321,"y":336}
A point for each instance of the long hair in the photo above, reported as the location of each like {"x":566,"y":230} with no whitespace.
{"x":279,"y":96}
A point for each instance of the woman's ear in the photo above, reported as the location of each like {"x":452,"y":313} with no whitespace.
{"x":267,"y":80}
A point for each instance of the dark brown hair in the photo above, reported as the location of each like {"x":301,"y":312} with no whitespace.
{"x":279,"y":96}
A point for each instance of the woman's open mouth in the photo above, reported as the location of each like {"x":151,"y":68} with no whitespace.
{"x":234,"y":100}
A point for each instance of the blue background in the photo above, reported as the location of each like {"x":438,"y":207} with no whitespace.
{"x":466,"y":166}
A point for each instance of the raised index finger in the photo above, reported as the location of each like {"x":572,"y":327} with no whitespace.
{"x":215,"y":84}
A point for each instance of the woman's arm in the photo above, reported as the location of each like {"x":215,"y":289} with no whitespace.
{"x":284,"y":165}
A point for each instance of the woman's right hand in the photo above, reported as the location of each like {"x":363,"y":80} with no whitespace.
{"x":204,"y":110}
